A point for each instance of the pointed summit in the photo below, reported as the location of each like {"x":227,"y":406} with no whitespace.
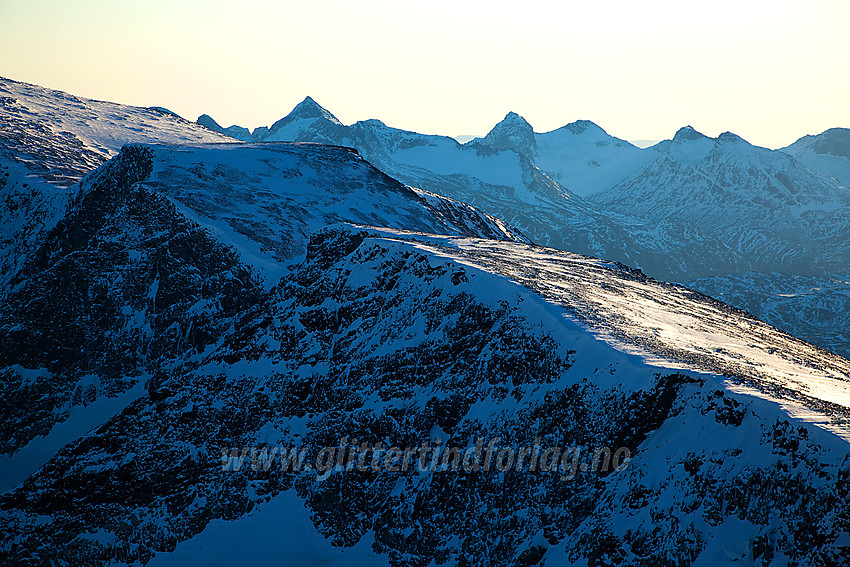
{"x":688,"y":134}
{"x":688,"y":145}
{"x":307,"y":109}
{"x":512,"y":133}
{"x":308,"y":113}
{"x":512,"y":122}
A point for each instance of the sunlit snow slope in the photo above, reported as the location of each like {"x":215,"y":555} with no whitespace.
{"x":49,"y":139}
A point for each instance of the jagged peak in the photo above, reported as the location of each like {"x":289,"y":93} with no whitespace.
{"x":309,"y":108}
{"x":512,"y":133}
{"x":514,"y":120}
{"x":687,"y":134}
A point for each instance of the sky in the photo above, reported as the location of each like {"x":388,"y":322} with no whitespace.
{"x":770,"y":71}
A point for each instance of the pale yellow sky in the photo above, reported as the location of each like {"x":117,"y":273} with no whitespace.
{"x":770,"y":71}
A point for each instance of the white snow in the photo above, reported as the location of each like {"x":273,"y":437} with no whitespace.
{"x":664,"y":325}
{"x":24,"y":462}
{"x":278,"y":532}
{"x":588,"y":160}
{"x":104,"y":126}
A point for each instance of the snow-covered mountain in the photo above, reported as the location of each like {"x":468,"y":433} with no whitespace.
{"x":778,"y":214}
{"x":580,"y":155}
{"x":236,"y":132}
{"x":816,"y":308}
{"x":136,"y":272}
{"x":61,"y":137}
{"x":498,"y":175}
{"x":190,"y":302}
{"x":788,"y":219}
{"x":268,"y":198}
{"x":827,"y":153}
{"x":686,"y":209}
{"x":48,"y":140}
{"x":738,"y":433}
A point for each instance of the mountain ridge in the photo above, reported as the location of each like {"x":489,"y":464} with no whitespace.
{"x":234,"y":299}
{"x":781,"y":231}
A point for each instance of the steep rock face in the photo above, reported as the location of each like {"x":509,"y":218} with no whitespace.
{"x":513,"y":133}
{"x":136,"y":275}
{"x":267,"y":199}
{"x":29,"y":208}
{"x":395,"y":337}
{"x":121,"y":285}
{"x":48,"y":141}
{"x":738,"y":432}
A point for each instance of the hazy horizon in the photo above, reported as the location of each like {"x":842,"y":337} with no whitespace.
{"x":770,"y":72}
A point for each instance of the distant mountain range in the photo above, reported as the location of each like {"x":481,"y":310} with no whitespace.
{"x":776,"y":213}
{"x":827,"y":153}
{"x":683,"y":210}
{"x":497,"y":174}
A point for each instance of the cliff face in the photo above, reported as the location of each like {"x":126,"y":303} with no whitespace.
{"x":149,"y":266}
{"x":123,"y":286}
